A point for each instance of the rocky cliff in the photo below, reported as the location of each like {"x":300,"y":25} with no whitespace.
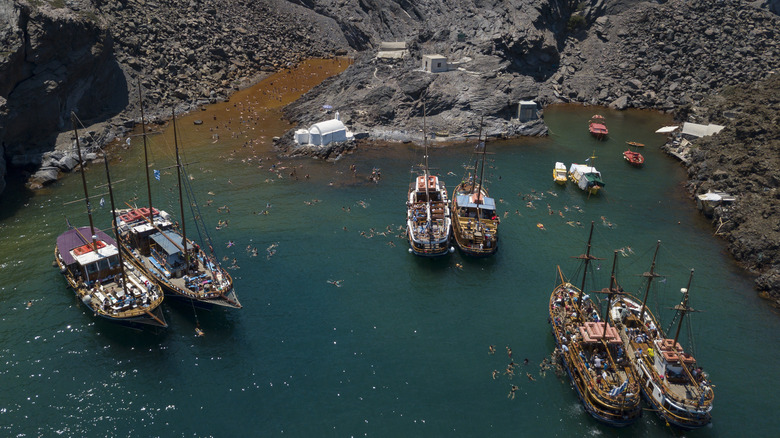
{"x":90,"y":56}
{"x":54,"y":61}
{"x":744,"y":160}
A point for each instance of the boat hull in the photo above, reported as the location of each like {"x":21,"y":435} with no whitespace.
{"x":589,"y":406}
{"x":688,"y":423}
{"x":618,"y":410}
{"x":436,"y":249}
{"x":144,"y":316}
{"x":634,"y":158}
{"x":215,"y":287}
{"x":475,"y":235}
{"x":229,"y":300}
{"x":654,"y":390}
{"x":428,"y":220}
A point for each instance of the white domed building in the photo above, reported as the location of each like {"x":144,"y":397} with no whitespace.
{"x":324,"y":133}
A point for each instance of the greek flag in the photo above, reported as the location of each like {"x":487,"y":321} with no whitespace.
{"x":157,"y":174}
{"x":587,"y":159}
{"x":102,"y":202}
{"x":618,"y":389}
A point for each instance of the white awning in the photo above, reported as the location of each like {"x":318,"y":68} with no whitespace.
{"x":697,"y":130}
{"x":667,"y":129}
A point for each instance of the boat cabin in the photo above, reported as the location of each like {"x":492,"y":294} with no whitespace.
{"x":135,"y":223}
{"x":668,"y":360}
{"x":427,"y":192}
{"x":473,"y":206}
{"x":95,"y":264}
{"x":166,"y":253}
{"x":593,"y":333}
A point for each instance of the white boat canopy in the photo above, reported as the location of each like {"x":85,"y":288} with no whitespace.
{"x":486,"y":204}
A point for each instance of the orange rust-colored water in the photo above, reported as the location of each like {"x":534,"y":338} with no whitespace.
{"x":250,"y":119}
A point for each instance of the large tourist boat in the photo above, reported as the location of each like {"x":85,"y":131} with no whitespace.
{"x":586,"y":176}
{"x":109,"y":284}
{"x":428,"y":221}
{"x":475,"y":222}
{"x":592,"y":352}
{"x":671,"y":381}
{"x":597,"y":127}
{"x":161,"y":247}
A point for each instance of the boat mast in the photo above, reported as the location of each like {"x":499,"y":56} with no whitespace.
{"x":650,"y":275}
{"x":587,"y":257}
{"x":146,"y":155}
{"x":612,"y":290}
{"x":683,"y":308}
{"x":181,"y":200}
{"x":476,"y":162}
{"x":84,"y":183}
{"x":425,"y":172}
{"x":481,"y":173}
{"x":114,"y":226}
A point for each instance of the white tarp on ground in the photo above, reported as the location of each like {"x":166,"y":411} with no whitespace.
{"x":696,"y":130}
{"x":667,"y":129}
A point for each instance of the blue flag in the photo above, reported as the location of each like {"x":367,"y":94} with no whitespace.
{"x":157,"y":174}
{"x":619,"y":389}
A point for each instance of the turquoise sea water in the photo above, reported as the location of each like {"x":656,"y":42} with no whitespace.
{"x":400,"y":347}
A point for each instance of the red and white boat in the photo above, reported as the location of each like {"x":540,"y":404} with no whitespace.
{"x":634,"y":158}
{"x":597,"y":127}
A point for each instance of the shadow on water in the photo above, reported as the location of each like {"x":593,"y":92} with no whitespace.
{"x":15,"y":195}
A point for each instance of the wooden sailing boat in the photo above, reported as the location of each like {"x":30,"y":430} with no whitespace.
{"x":671,"y":382}
{"x":104,"y":280}
{"x":475,"y":223}
{"x":592,"y":353}
{"x":428,"y":221}
{"x":161,"y":247}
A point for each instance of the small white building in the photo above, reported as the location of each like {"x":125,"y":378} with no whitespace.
{"x":527,"y":110}
{"x":324,"y":133}
{"x":434,"y":63}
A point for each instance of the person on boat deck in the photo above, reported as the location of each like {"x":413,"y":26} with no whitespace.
{"x":638,"y":353}
{"x":598,"y":362}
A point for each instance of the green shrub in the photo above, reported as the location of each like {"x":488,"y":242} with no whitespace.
{"x":575,"y":22}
